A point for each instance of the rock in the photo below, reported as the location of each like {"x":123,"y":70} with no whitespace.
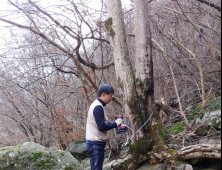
{"x":215,"y":119}
{"x":216,"y":113}
{"x":211,"y":118}
{"x":36,"y":157}
{"x":216,"y":139}
{"x":86,"y":164}
{"x":202,"y":130}
{"x":188,"y":167}
{"x":211,"y":131}
{"x":215,"y":122}
{"x":148,"y":166}
{"x":78,"y":150}
{"x":182,"y":167}
{"x":115,"y":163}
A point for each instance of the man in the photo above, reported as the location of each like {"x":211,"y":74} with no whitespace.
{"x":97,"y":127}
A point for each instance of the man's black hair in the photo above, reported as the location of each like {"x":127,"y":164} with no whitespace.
{"x":105,"y":88}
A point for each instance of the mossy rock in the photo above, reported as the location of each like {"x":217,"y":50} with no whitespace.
{"x":201,"y":131}
{"x":216,"y":122}
{"x":34,"y":156}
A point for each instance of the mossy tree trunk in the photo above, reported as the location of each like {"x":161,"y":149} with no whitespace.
{"x":116,"y":30}
{"x":144,"y":60}
{"x":138,"y":89}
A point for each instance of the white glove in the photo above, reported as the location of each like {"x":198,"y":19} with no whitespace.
{"x":124,"y":125}
{"x":119,"y":122}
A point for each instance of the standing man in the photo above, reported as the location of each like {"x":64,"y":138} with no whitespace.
{"x":97,"y":127}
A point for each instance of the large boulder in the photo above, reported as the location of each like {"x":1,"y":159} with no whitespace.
{"x":86,"y":164}
{"x":211,"y":119}
{"x":32,"y":156}
{"x":78,"y":149}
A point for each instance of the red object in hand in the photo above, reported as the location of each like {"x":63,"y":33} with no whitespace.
{"x":121,"y":128}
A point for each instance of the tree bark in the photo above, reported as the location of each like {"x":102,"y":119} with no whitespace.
{"x":200,"y":151}
{"x":123,"y":67}
{"x":144,"y":60}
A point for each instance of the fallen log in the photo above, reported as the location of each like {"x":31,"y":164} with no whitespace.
{"x":200,"y":151}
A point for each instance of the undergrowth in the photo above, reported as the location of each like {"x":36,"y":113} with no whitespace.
{"x":180,"y":127}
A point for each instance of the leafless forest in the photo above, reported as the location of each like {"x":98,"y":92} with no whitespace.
{"x":55,"y":54}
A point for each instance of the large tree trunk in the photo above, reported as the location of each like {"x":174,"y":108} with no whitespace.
{"x":144,"y":60}
{"x":123,"y":67}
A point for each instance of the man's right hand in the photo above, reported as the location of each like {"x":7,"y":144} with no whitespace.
{"x":119,"y":122}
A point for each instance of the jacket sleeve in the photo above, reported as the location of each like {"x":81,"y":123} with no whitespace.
{"x":102,"y":125}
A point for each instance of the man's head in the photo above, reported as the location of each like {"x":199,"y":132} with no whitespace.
{"x":105,"y":93}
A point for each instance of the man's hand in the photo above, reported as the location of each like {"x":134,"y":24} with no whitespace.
{"x":119,"y":122}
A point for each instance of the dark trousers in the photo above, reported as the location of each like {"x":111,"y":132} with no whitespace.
{"x":96,"y":154}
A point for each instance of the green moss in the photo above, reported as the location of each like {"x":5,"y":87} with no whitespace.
{"x":214,"y":106}
{"x":211,"y":106}
{"x":109,"y":28}
{"x":177,"y":128}
{"x":158,"y":133}
{"x":5,"y":149}
{"x":62,"y":154}
{"x":172,"y":152}
{"x":137,"y":81}
{"x":45,"y":164}
{"x":197,"y":109}
{"x":201,"y":116}
{"x":36,"y":156}
{"x":201,"y":131}
{"x":156,"y":115}
{"x":192,"y":117}
{"x":134,"y":105}
{"x":159,"y":144}
{"x":41,"y":164}
{"x":216,"y":122}
{"x":159,"y":129}
{"x":141,"y":148}
{"x":171,"y":157}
